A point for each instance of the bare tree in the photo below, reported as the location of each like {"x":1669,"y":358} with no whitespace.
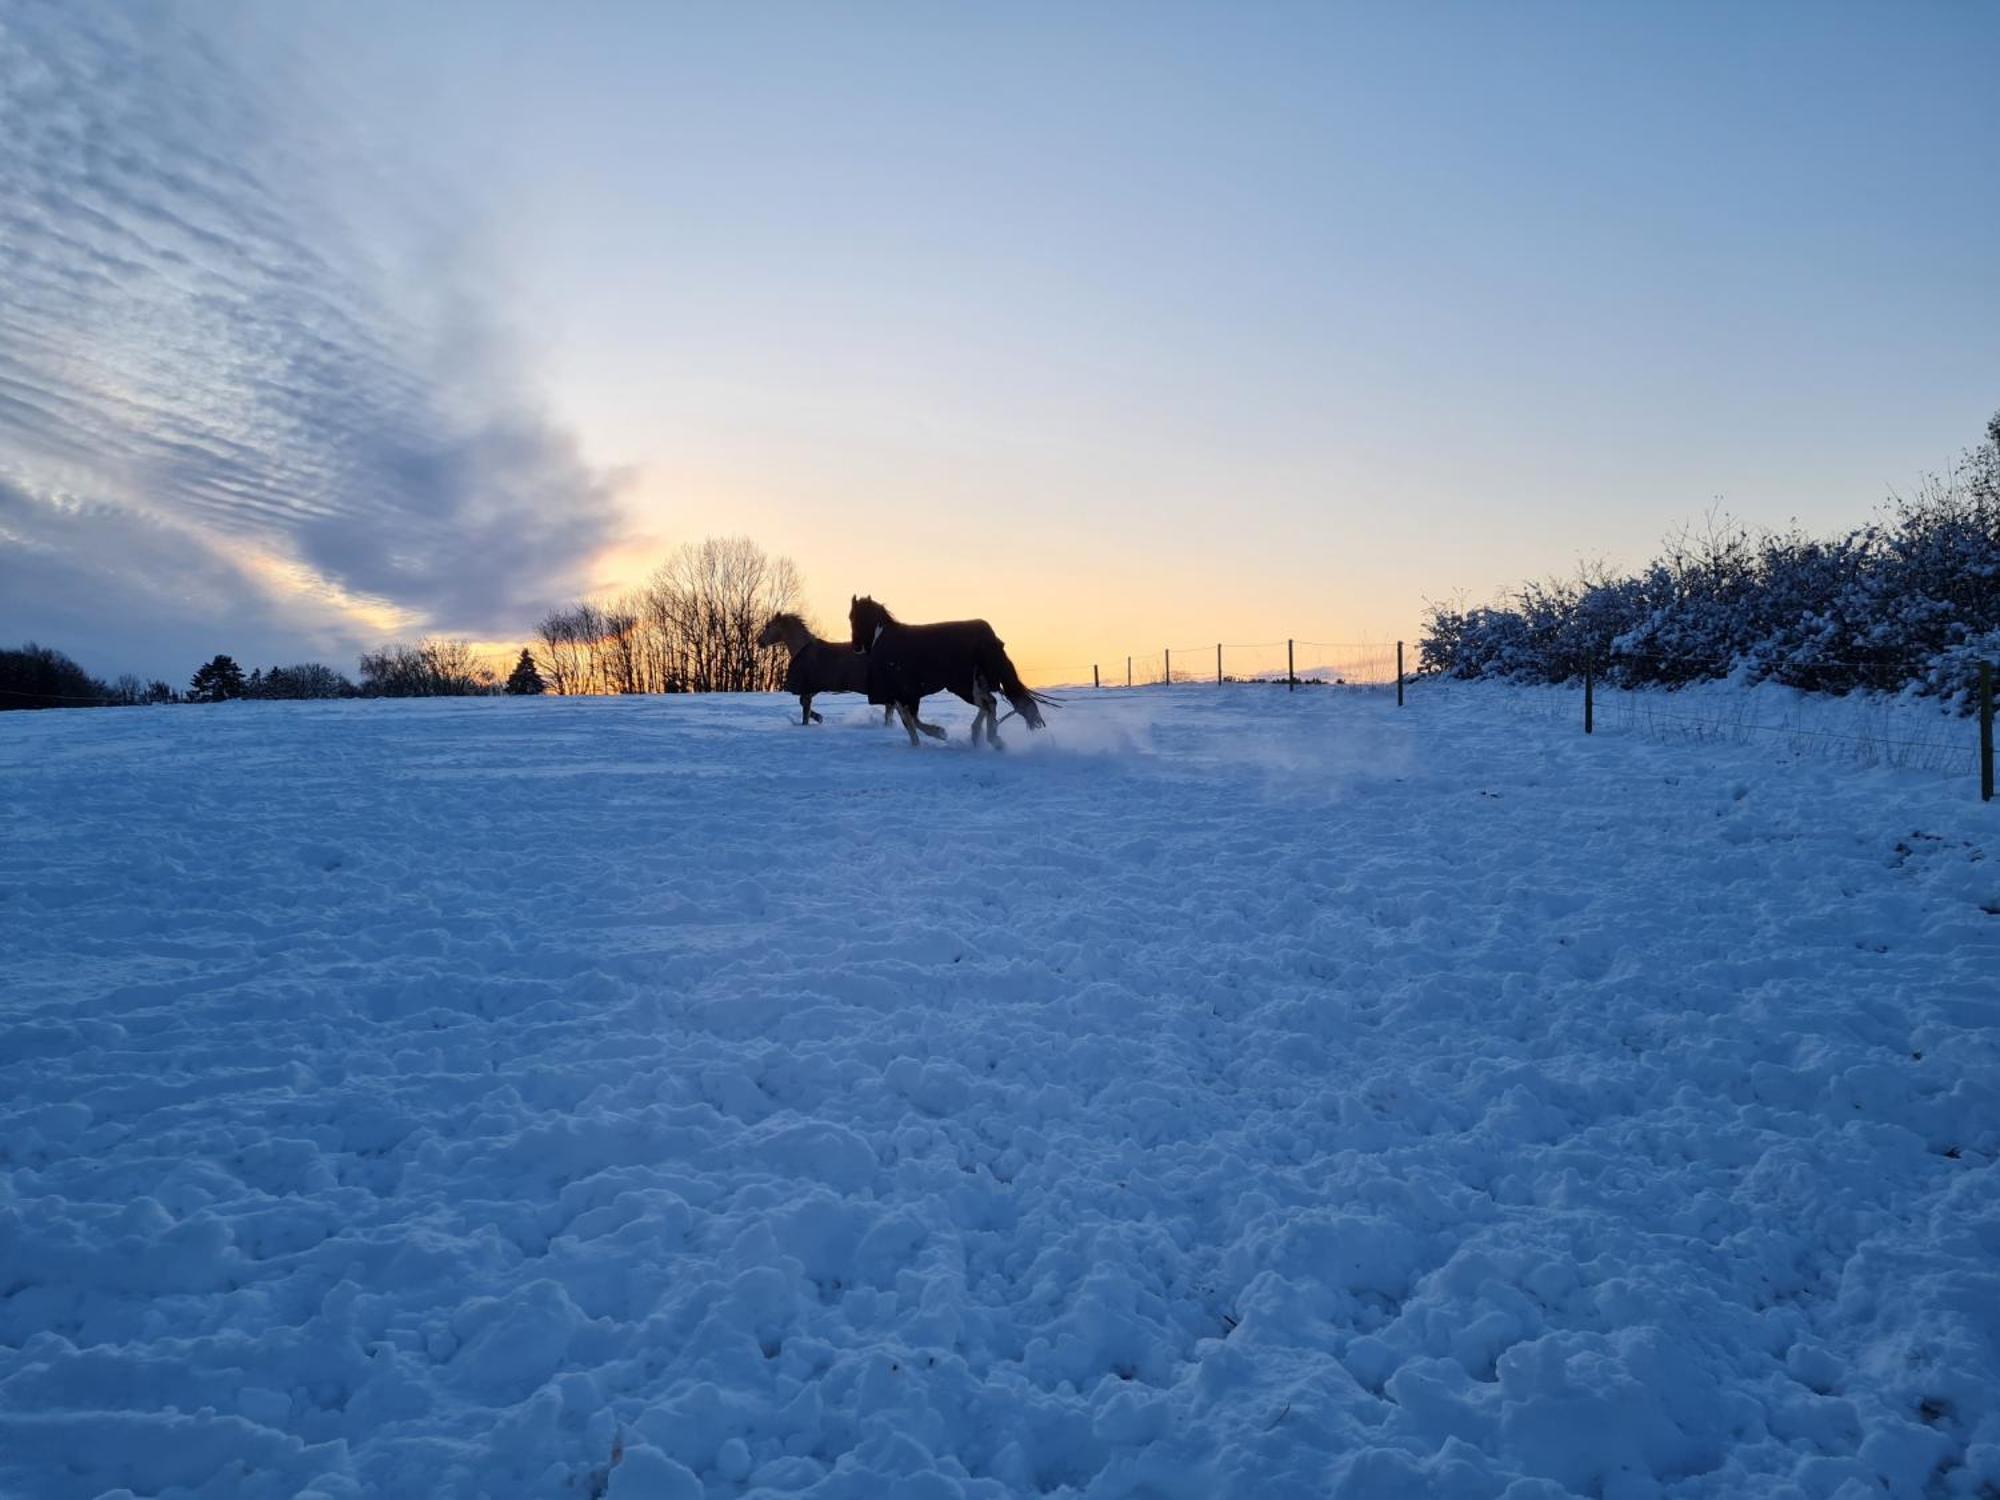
{"x":562,"y":652}
{"x":429,"y":669}
{"x":620,"y":652}
{"x":308,"y":679}
{"x":692,"y":627}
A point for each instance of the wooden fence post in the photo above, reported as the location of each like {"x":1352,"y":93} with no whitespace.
{"x":1169,"y":674}
{"x":1218,"y":664}
{"x":1094,"y":682}
{"x":1291,"y":672}
{"x":1399,"y":674}
{"x":1589,"y":701}
{"x":1128,"y":671}
{"x":1986,"y":731}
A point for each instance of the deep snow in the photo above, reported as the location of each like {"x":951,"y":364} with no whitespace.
{"x":1231,"y":1092}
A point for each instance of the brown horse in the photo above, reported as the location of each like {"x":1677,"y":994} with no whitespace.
{"x":818,"y":666}
{"x":965,"y":657}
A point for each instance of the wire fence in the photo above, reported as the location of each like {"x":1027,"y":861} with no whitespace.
{"x":41,"y":697}
{"x":1294,"y":663}
{"x":1868,"y":729}
{"x":485,"y":674}
{"x":1606,"y":693}
{"x":1886,"y":673}
{"x":1625,"y":692}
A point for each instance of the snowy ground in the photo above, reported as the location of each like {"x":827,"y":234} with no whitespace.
{"x":1230,"y":1093}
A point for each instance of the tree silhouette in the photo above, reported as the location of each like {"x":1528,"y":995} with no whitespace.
{"x":525,"y":678}
{"x":40,"y":677}
{"x":429,"y":669}
{"x":308,"y":679}
{"x":216,"y":680}
{"x":692,"y":628}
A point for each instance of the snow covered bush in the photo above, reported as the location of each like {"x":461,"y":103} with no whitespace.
{"x":1910,"y":602}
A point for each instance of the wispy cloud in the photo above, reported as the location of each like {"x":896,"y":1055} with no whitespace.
{"x":228,"y":345}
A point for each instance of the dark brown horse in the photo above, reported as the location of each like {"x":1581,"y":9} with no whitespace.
{"x":817,"y":666}
{"x":908,"y":662}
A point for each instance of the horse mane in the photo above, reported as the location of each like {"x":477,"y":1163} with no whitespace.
{"x":787,"y":617}
{"x":879,"y":608}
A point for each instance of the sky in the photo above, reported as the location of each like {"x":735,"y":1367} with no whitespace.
{"x":1122,"y":326}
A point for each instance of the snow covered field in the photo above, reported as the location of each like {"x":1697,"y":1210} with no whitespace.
{"x":1228,"y":1093}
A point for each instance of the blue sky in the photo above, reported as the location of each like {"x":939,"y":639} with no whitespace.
{"x":1122,"y":325}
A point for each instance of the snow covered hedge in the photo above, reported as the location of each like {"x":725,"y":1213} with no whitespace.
{"x":1909,"y":601}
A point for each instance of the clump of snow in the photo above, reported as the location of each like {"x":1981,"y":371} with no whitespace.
{"x":1226,"y":1092}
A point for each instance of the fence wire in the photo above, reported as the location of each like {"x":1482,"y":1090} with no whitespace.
{"x":1873,"y":734}
{"x":1305,"y":663}
{"x":57,"y":697}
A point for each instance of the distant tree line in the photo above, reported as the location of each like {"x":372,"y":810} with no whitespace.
{"x":1909,"y":601}
{"x":691,"y":628}
{"x":429,"y":669}
{"x":41,"y":677}
{"x":221,"y":679}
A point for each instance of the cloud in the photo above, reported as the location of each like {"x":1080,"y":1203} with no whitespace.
{"x":121,"y":591}
{"x":231,"y":345}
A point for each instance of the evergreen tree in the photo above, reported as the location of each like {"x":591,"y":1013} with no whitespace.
{"x":526,"y":677}
{"x":216,"y":680}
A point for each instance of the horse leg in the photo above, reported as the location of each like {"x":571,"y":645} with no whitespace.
{"x":978,"y":709}
{"x":888,"y":714}
{"x":806,"y":714}
{"x":982,"y":718}
{"x":909,"y":723}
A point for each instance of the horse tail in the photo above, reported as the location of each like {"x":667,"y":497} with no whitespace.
{"x":1027,"y":703}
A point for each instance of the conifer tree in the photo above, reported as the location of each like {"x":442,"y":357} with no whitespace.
{"x":526,"y":677}
{"x":216,"y":680}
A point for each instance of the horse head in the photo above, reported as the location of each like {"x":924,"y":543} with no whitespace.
{"x":864,"y":618}
{"x":785,"y":629}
